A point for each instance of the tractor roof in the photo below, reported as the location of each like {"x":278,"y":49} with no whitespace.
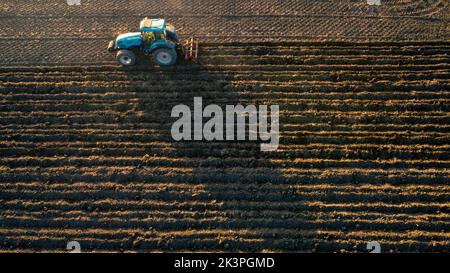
{"x":153,"y":25}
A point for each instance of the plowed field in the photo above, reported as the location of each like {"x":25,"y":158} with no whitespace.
{"x":86,"y":152}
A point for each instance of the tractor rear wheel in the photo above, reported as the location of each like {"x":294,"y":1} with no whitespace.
{"x":126,"y":57}
{"x":165,"y":56}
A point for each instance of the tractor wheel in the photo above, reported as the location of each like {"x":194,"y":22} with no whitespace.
{"x":165,"y":56}
{"x":126,"y":57}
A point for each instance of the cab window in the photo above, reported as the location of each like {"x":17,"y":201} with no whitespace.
{"x":159,"y":36}
{"x":148,"y":38}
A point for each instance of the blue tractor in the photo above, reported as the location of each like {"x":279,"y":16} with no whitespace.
{"x":156,"y":38}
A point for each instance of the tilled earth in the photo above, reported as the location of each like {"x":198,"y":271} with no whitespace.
{"x":87,"y":154}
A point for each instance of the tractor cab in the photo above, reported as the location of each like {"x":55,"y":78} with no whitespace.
{"x":157,"y":30}
{"x":152,"y":30}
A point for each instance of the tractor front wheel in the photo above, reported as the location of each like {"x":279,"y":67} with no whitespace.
{"x":165,"y":56}
{"x":126,"y":57}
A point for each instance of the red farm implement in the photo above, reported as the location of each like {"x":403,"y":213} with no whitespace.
{"x":190,"y":49}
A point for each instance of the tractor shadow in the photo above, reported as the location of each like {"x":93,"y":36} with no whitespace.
{"x":233,"y":193}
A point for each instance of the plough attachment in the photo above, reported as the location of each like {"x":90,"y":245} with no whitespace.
{"x":190,"y":49}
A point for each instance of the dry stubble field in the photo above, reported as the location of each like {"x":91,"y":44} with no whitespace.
{"x":86,"y":152}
